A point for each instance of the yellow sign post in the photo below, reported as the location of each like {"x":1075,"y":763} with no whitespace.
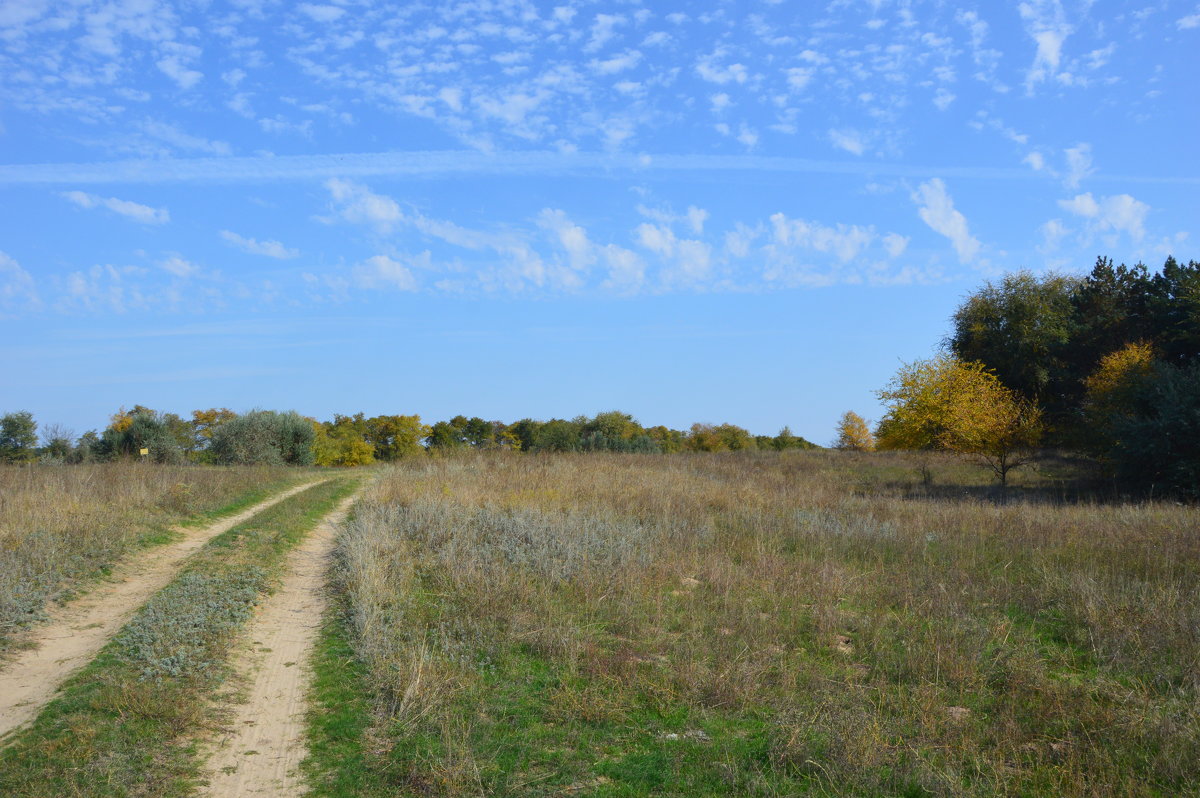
{"x":145,"y":451}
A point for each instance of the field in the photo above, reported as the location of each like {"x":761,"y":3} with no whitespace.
{"x":792,"y":623}
{"x":766,"y":625}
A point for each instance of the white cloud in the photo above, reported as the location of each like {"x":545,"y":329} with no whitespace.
{"x":17,"y":289}
{"x":849,"y":140}
{"x":571,"y":237}
{"x":696,"y":218}
{"x":1053,"y":232}
{"x":943,"y":98}
{"x":130,"y":210}
{"x":381,"y":271}
{"x":937,"y":210}
{"x":185,"y":141}
{"x":1046,"y":24}
{"x":603,"y":29}
{"x":173,"y":67}
{"x":358,"y":204}
{"x":843,"y":241}
{"x":1079,"y":164}
{"x":708,"y":69}
{"x":1189,"y":22}
{"x":321,"y":13}
{"x":271,"y":249}
{"x":618,"y":63}
{"x":895,"y":244}
{"x":1119,"y":212}
{"x":1035,"y":160}
{"x":179,"y":267}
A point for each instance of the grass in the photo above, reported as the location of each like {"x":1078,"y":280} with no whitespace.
{"x":63,"y":526}
{"x":807,"y":623}
{"x":127,"y":724}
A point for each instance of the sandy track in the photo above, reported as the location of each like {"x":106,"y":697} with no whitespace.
{"x":261,"y":753}
{"x":75,"y":632}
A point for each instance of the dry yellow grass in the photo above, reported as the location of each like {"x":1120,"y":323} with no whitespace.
{"x":60,"y":525}
{"x":770,"y":624}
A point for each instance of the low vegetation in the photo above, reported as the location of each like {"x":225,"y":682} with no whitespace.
{"x":127,"y":724}
{"x":62,"y":526}
{"x":827,"y":623}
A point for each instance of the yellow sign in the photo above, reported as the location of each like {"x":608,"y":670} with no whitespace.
{"x":145,"y":452}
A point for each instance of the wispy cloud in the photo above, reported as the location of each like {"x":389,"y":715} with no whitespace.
{"x":458,"y":163}
{"x":269,"y":248}
{"x":130,"y":210}
{"x":17,"y":290}
{"x":937,"y":210}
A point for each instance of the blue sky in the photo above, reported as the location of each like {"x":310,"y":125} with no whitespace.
{"x":731,"y":211}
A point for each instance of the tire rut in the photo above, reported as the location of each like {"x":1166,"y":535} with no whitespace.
{"x":264,"y":744}
{"x":75,"y":632}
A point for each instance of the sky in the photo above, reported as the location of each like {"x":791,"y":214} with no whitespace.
{"x":748,"y":212}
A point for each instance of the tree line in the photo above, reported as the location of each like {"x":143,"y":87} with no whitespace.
{"x":1106,"y":364}
{"x":220,"y":436}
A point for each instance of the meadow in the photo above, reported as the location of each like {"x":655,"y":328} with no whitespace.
{"x":758,"y":624}
{"x":63,"y":526}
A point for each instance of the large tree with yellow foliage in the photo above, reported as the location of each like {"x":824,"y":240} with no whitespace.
{"x":962,"y":407}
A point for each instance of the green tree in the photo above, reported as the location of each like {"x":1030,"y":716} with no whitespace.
{"x":394,"y":437}
{"x":18,"y":437}
{"x":1020,"y":329}
{"x":1154,"y":445}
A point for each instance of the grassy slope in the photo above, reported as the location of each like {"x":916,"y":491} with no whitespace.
{"x":125,"y":724}
{"x":847,"y":632}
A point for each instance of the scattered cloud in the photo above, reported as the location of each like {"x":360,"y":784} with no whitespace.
{"x":134,"y":211}
{"x":358,"y":204}
{"x":271,"y":249}
{"x":936,"y":209}
{"x":1079,"y":164}
{"x":1119,"y":213}
{"x":849,"y":140}
{"x":381,"y":271}
{"x":17,"y":290}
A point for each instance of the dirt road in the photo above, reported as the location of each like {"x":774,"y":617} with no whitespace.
{"x":264,"y":746}
{"x":78,"y":630}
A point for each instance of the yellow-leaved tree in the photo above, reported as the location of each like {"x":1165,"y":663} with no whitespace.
{"x":962,"y":407}
{"x":1111,"y":391}
{"x":854,"y":434}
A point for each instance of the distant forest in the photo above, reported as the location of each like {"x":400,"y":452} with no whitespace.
{"x":222,"y":437}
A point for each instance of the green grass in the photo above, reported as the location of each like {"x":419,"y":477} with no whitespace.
{"x":127,"y":724}
{"x":810,"y":624}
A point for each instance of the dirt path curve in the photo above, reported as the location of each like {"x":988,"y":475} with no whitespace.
{"x":75,"y":632}
{"x":262,"y":752}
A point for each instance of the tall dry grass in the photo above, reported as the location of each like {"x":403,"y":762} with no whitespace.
{"x":867,"y":635}
{"x":61,"y":524}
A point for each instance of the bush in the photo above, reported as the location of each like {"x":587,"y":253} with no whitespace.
{"x":264,"y":437}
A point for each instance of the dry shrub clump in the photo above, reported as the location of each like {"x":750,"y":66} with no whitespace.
{"x":771,"y":623}
{"x":61,"y":524}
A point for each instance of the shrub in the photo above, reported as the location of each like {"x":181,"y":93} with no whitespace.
{"x":264,"y":437}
